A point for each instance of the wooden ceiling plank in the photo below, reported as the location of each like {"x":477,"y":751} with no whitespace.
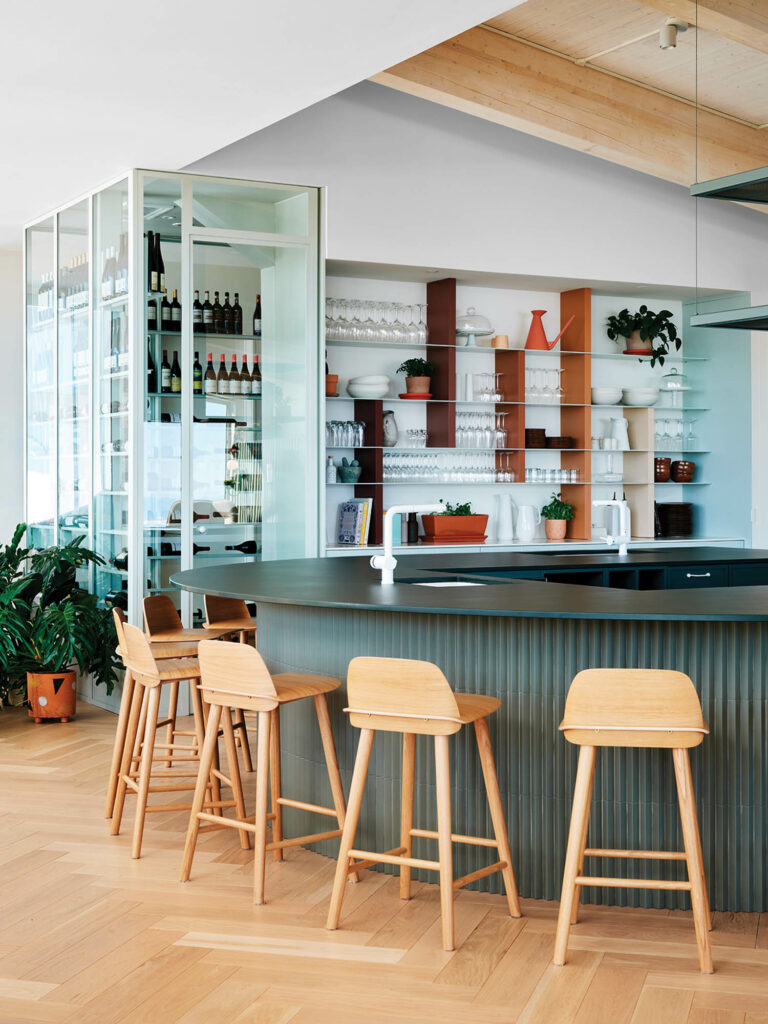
{"x":743,"y":21}
{"x":497,"y":78}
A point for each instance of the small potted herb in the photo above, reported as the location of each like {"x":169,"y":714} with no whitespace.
{"x":557,"y":514}
{"x":644,"y":332}
{"x":457,"y":523}
{"x":418,"y":375}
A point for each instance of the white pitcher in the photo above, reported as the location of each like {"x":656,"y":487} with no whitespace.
{"x":504,"y":529}
{"x":528,"y":518}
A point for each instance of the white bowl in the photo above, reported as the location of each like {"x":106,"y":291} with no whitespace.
{"x":367,"y":390}
{"x":371,"y":378}
{"x":606,"y":396}
{"x":640,"y":396}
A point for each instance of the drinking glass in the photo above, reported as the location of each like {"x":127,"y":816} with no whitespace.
{"x":422,"y":325}
{"x":399,"y":330}
{"x":413,"y":337}
{"x":500,"y":434}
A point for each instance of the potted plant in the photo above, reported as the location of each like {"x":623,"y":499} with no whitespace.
{"x":645,"y":332}
{"x":458,"y":522}
{"x":418,"y":375}
{"x":557,"y":514}
{"x":51,"y":626}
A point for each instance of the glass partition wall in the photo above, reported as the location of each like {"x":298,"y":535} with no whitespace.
{"x":172,"y":381}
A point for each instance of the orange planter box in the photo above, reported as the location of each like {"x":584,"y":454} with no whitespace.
{"x":464,"y":528}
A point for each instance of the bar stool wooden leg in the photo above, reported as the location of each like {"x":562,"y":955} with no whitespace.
{"x":350,"y":826}
{"x":276,"y":786}
{"x":129,"y":745}
{"x":692,"y":843}
{"x":173,"y":701}
{"x":262,"y":785}
{"x":406,"y":810}
{"x":201,"y":786}
{"x":497,"y":813}
{"x":120,"y":735}
{"x":584,"y":833}
{"x":444,"y":843}
{"x":242,"y":736}
{"x":234,"y":776}
{"x":200,"y":714}
{"x":145,"y":770}
{"x":332,"y":763}
{"x":579,"y":817}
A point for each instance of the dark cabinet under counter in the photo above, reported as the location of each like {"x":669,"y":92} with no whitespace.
{"x":682,"y":577}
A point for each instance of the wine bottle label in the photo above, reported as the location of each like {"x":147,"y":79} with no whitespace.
{"x":210,"y":387}
{"x":176,"y":314}
{"x":207,"y":316}
{"x":165,"y":378}
{"x":162,"y":282}
{"x":245,"y":386}
{"x":257,"y":328}
{"x":197,"y":316}
{"x":176,"y":385}
{"x":234,"y":386}
{"x":256,"y":387}
{"x":153,"y":281}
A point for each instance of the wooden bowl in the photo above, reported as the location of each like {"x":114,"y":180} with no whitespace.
{"x":682,"y":471}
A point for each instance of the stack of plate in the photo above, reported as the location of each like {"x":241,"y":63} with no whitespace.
{"x":535,"y":437}
{"x":675,"y":518}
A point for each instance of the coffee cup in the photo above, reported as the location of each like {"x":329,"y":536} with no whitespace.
{"x":500,"y":341}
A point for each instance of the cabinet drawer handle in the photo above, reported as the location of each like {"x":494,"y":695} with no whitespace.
{"x":698,"y":575}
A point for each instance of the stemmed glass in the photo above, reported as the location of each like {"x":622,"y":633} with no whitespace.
{"x":399,"y":330}
{"x":412,"y":328}
{"x":500,"y":434}
{"x":422,"y":325}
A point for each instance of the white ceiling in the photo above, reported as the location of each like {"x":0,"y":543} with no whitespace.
{"x":90,"y":88}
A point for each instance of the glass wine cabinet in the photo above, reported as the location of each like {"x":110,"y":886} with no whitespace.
{"x":172,"y":338}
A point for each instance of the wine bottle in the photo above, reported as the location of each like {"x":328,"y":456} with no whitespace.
{"x":151,"y":371}
{"x":197,"y":548}
{"x":159,"y":264}
{"x":248,"y":547}
{"x":165,"y":374}
{"x":218,"y":315}
{"x":175,"y":313}
{"x":256,"y":377}
{"x":165,"y":315}
{"x":151,"y":314}
{"x":245,"y":377}
{"x":152,"y":280}
{"x":237,"y":316}
{"x":197,"y":376}
{"x":120,"y":560}
{"x":257,"y":318}
{"x":175,"y":374}
{"x":234,"y":378}
{"x":222,"y":379}
{"x":207,"y":315}
{"x":197,"y":315}
{"x":226,"y":313}
{"x":209,"y":381}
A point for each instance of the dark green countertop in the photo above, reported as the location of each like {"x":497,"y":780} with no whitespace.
{"x":351,"y":583}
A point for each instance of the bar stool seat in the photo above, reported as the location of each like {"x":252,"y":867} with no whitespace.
{"x":230,"y":613}
{"x":189,"y":635}
{"x":234,"y":677}
{"x":415,"y":698}
{"x":633,"y":708}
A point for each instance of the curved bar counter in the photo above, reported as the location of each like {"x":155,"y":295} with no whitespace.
{"x":523,"y":640}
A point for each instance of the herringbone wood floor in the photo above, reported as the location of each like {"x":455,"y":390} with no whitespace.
{"x":90,"y":936}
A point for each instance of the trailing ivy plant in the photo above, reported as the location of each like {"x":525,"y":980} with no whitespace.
{"x":657,"y":328}
{"x":558,"y":509}
{"x":48,"y":621}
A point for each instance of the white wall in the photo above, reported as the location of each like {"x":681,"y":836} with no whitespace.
{"x":11,"y":393}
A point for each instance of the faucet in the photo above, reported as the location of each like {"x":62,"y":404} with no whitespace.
{"x":387,"y":562}
{"x":624,"y":535}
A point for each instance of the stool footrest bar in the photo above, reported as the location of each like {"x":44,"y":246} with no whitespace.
{"x":301,"y":806}
{"x":304,"y":840}
{"x":425,"y":833}
{"x":634,"y":883}
{"x":639,"y":854}
{"x":491,"y":869}
{"x":360,"y":865}
{"x":387,"y":858}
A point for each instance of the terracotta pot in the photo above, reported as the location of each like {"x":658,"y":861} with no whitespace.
{"x":417,"y":385}
{"x":52,"y":695}
{"x":636,"y":344}
{"x":331,"y":383}
{"x":454,"y":527}
{"x":555,"y":528}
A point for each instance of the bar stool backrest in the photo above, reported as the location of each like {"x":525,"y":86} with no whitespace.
{"x":225,"y":609}
{"x":399,"y":695}
{"x":138,"y":655}
{"x":160,"y":614}
{"x":633,"y":707}
{"x":235,"y":676}
{"x":119,"y":616}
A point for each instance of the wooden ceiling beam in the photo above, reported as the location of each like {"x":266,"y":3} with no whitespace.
{"x":742,"y":21}
{"x":533,"y":90}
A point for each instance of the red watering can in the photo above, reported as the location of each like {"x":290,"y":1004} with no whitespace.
{"x":537,"y":339}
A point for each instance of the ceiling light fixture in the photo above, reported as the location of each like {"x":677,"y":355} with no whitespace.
{"x":668,"y":33}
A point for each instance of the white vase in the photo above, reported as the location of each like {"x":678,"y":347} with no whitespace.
{"x":504,"y":529}
{"x":390,"y":430}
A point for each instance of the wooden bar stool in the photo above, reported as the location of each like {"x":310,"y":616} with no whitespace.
{"x":151,"y":676}
{"x":183,"y":649}
{"x":232,"y":613}
{"x":163,"y":625}
{"x":235,"y":676}
{"x":415,"y":698}
{"x":633,"y":708}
